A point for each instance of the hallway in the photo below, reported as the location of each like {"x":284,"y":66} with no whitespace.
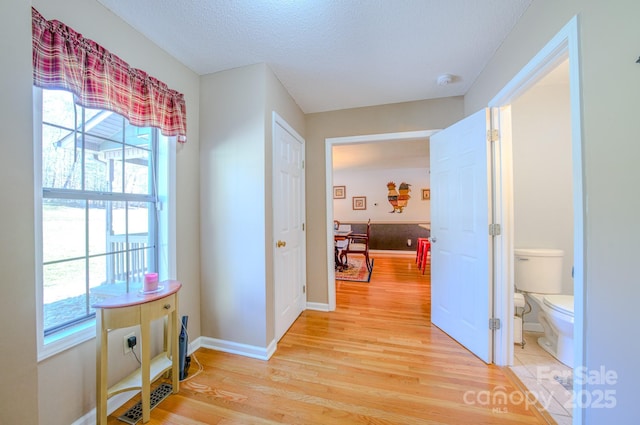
{"x":375,"y":360}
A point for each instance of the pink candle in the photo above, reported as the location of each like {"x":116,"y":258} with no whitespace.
{"x":150,"y":282}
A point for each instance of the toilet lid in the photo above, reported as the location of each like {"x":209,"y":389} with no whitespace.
{"x":561,"y":303}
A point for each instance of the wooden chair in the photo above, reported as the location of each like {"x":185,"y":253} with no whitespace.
{"x":358,"y":244}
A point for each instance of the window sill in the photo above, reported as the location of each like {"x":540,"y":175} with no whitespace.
{"x":67,"y":338}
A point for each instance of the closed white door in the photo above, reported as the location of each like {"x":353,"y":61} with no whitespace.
{"x":288,"y":232}
{"x":461,"y":281}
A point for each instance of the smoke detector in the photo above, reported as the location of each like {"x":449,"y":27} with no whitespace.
{"x":445,"y":79}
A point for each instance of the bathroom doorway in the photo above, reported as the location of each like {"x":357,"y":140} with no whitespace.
{"x":543,"y":218}
{"x":538,"y":117}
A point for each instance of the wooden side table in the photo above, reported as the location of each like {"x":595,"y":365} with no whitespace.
{"x":132,"y":309}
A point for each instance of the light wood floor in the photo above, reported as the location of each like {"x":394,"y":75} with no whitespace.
{"x":375,"y":360}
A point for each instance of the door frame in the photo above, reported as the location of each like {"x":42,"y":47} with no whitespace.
{"x":329,"y":143}
{"x":564,"y":45}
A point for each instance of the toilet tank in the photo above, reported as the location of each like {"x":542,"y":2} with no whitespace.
{"x":538,"y":270}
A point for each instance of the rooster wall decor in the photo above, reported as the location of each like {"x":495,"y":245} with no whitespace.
{"x":398,"y":199}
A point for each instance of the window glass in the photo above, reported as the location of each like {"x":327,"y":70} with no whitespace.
{"x":64,"y":294}
{"x":98,"y":214}
{"x":63,"y":229}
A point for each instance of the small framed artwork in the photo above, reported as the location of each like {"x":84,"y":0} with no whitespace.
{"x":339,"y":192}
{"x":359,"y":202}
{"x":426,"y":194}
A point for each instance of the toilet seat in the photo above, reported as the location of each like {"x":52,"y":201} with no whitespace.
{"x":560,"y":303}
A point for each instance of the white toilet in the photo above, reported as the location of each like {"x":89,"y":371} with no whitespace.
{"x":538,"y":273}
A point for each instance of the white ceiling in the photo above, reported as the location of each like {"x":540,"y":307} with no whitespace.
{"x":333,"y":54}
{"x":337,"y":54}
{"x":413,"y":153}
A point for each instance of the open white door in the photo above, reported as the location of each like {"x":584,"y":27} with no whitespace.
{"x":288,"y":231}
{"x":461,"y":282}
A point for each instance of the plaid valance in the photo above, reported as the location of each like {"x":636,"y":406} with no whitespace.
{"x":64,"y":59}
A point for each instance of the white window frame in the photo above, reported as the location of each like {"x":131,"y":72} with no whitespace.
{"x":62,"y":340}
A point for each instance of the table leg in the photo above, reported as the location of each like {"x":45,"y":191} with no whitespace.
{"x":174,"y":334}
{"x":145,"y":359}
{"x":101,"y":371}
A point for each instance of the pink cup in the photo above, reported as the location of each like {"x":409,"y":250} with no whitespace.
{"x":150,"y":282}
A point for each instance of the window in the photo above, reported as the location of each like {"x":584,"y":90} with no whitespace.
{"x":97,"y":226}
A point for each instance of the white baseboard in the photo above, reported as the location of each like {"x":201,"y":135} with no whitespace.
{"x":393,"y":252}
{"x":318,"y":306}
{"x":252,"y":351}
{"x":113,"y":403}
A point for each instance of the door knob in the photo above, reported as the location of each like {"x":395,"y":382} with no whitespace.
{"x":434,"y":240}
{"x":280,"y":244}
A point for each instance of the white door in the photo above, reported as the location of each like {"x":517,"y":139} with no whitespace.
{"x":461,"y":282}
{"x":288,"y":232}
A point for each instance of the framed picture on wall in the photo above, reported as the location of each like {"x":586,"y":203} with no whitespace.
{"x":359,"y":202}
{"x":339,"y":192}
{"x":426,"y":194}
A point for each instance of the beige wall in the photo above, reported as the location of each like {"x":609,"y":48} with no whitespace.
{"x":18,"y":394}
{"x":610,"y":91}
{"x":61,"y":389}
{"x":372,"y":183}
{"x":232,"y":167}
{"x":410,"y":116}
{"x":542,"y":174}
{"x":237,"y":274}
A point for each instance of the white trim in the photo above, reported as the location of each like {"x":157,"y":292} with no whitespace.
{"x":393,"y":252}
{"x":113,"y":404}
{"x":318,"y":306}
{"x":278,"y":120}
{"x":562,"y":45}
{"x":255,"y":352}
{"x":65,"y":339}
{"x":503,"y":305}
{"x":37,"y":216}
{"x":167,"y":266}
{"x":74,"y":335}
{"x":329,"y":143}
{"x":501,"y":291}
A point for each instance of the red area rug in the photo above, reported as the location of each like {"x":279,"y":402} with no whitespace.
{"x":356,"y":272}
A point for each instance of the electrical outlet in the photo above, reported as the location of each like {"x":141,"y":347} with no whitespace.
{"x":125,"y":341}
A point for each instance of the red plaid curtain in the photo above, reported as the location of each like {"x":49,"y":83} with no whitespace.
{"x":64,"y":59}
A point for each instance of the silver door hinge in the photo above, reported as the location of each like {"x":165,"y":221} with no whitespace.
{"x":304,"y":289}
{"x":303,"y":227}
{"x":492,"y":135}
{"x":495,"y":230}
{"x":494,"y":324}
{"x":303,"y":164}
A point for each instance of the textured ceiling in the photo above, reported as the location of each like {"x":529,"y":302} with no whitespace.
{"x":333,"y":54}
{"x":412,"y":153}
